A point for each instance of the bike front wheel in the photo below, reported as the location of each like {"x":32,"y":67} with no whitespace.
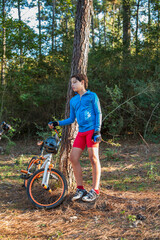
{"x":50,"y":197}
{"x":32,"y":170}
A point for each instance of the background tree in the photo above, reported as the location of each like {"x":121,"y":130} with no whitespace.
{"x":39,"y":27}
{"x":126,"y":28}
{"x":115,"y":79}
{"x":137,"y":27}
{"x":3,"y":27}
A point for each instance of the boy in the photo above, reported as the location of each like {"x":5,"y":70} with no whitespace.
{"x":85,"y":107}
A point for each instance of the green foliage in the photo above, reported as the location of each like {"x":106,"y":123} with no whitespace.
{"x":116,"y":120}
{"x":19,"y":160}
{"x":131,"y":218}
{"x":111,"y":154}
{"x":59,"y":234}
{"x":37,"y":87}
{"x":9,"y":142}
{"x":152,"y":172}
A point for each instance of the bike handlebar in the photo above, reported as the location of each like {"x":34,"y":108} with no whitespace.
{"x":4,"y":127}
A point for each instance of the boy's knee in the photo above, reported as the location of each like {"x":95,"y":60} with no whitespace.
{"x":73,"y":159}
{"x":93,"y":160}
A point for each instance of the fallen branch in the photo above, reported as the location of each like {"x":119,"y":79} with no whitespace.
{"x":143,"y":140}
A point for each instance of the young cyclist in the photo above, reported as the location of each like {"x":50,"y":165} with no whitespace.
{"x":85,"y":107}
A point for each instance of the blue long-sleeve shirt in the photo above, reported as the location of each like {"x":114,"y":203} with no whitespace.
{"x":86,"y":109}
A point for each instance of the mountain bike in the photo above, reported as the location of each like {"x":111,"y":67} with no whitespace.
{"x":46,"y":187}
{"x":34,"y":164}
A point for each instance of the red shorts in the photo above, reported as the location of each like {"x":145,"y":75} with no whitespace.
{"x":83,"y":139}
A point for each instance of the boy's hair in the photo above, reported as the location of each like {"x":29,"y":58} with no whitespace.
{"x":81,"y":77}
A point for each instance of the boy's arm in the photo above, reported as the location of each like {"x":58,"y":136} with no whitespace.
{"x":97,"y":109}
{"x":71,"y":118}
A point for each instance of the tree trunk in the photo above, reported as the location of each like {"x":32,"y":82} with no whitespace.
{"x":105,"y":43}
{"x":137,"y":25}
{"x":158,"y":29}
{"x":113,"y":25}
{"x":39,"y":26}
{"x":53,"y":23}
{"x":20,"y":33}
{"x":126,"y":29}
{"x":3,"y":62}
{"x":99,"y":31}
{"x":119,"y":21}
{"x":66,"y":23}
{"x":78,"y":65}
{"x":149,"y":14}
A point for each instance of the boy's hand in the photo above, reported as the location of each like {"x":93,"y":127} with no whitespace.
{"x":53,"y":124}
{"x":97,"y":137}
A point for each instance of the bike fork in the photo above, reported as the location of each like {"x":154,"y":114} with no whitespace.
{"x":46,"y":176}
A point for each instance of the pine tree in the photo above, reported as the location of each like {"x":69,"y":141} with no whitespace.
{"x":78,"y":65}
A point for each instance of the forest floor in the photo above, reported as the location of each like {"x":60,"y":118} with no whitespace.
{"x":128,"y":207}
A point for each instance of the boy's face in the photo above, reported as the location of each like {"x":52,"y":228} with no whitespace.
{"x":77,"y":85}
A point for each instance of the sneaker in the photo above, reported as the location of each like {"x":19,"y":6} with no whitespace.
{"x":79,"y":194}
{"x":90,"y":196}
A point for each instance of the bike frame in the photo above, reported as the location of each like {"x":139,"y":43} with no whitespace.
{"x":47,"y":165}
{"x":47,"y":158}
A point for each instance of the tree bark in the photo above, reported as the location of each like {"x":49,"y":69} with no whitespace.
{"x":39,"y":27}
{"x":78,"y":65}
{"x":66,"y":23}
{"x":105,"y":43}
{"x":158,"y":29}
{"x":126,"y":29}
{"x":20,"y":33}
{"x":119,"y":21}
{"x":3,"y":62}
{"x":137,"y":26}
{"x":53,"y":23}
{"x":113,"y":25}
{"x":149,"y":14}
{"x":99,"y":31}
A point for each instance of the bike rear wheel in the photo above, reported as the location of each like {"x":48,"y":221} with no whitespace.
{"x":47,"y":198}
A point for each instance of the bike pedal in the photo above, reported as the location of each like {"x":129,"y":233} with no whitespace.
{"x":24,"y":171}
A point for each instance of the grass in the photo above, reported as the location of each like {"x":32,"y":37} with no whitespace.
{"x":139,"y":175}
{"x":128,"y":187}
{"x":10,"y":169}
{"x":134,"y":174}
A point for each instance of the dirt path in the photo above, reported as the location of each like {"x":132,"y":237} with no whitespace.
{"x":127,"y":208}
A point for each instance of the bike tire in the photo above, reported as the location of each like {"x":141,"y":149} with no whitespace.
{"x":33,"y":170}
{"x":41,"y":197}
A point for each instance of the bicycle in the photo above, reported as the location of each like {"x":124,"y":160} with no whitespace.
{"x":34,"y":164}
{"x":47,"y":186}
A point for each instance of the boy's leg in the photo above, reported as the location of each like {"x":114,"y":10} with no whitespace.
{"x":74,"y":158}
{"x":96,"y":166}
{"x":96,"y":173}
